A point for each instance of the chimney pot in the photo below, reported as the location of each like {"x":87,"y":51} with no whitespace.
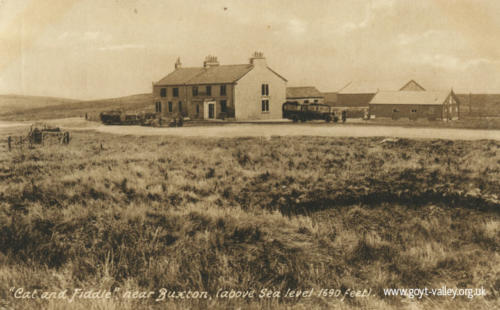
{"x":258,"y":59}
{"x":210,"y":61}
{"x":178,"y":63}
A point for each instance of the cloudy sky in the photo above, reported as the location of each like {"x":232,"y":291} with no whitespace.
{"x":89,"y":49}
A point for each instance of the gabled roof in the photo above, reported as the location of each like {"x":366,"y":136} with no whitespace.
{"x":371,"y":87}
{"x":221,"y":74}
{"x":411,"y":97}
{"x":209,"y":75}
{"x":303,"y":92}
{"x":412,"y":86}
{"x":180,"y":76}
{"x":281,"y":77}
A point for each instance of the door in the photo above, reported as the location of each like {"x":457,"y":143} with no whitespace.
{"x":211,"y":111}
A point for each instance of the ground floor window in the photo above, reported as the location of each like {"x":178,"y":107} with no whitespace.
{"x":170,"y":106}
{"x":158,"y":107}
{"x":414,"y":111}
{"x":197,"y":109}
{"x":265,"y":105}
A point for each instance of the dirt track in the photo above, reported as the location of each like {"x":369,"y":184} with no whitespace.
{"x":259,"y":130}
{"x":284,"y":129}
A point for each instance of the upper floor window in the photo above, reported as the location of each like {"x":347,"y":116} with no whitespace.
{"x":265,"y":89}
{"x":315,"y":100}
{"x":195,"y":91}
{"x":223,"y":90}
{"x":306,"y":101}
{"x":265,"y":105}
{"x":209,"y":90}
{"x":163,"y":92}
{"x":223,"y":106}
{"x":176,"y":92}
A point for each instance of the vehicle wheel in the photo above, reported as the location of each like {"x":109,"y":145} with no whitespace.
{"x":328,"y":118}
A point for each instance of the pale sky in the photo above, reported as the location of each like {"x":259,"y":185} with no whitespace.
{"x":88,"y":49}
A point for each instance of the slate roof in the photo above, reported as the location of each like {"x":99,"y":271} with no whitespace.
{"x":410,"y":97}
{"x":180,"y":76}
{"x":210,"y":75}
{"x":303,"y":92}
{"x":221,"y":74}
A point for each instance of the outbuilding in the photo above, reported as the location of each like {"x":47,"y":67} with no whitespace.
{"x":432,"y":105}
{"x":304,"y":95}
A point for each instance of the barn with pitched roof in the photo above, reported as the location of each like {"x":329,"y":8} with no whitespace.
{"x":249,"y":91}
{"x":413,"y":105}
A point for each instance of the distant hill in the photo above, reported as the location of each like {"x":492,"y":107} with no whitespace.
{"x":479,"y":104}
{"x":33,"y":108}
{"x":17,"y":103}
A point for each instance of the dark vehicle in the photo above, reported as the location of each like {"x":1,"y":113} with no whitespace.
{"x":112,"y":117}
{"x":305,"y":112}
{"x":148,"y":119}
{"x":121,"y":118}
{"x":132,"y":119}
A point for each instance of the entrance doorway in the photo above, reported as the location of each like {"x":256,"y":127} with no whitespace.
{"x":209,"y":110}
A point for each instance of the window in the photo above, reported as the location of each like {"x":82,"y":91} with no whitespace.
{"x":414,"y":111}
{"x":223,"y":90}
{"x":306,"y":101}
{"x":395,"y":110}
{"x":209,"y":90}
{"x":265,"y":105}
{"x":163,"y":92}
{"x":265,"y":89}
{"x":180,"y":106}
{"x":315,"y":100}
{"x":170,"y":106}
{"x":158,"y":106}
{"x":176,"y":92}
{"x":195,"y":91}
{"x":197,"y":109}
{"x":223,"y":106}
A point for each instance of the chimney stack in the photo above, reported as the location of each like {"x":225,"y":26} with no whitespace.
{"x":178,"y":63}
{"x":210,"y":61}
{"x":258,"y":59}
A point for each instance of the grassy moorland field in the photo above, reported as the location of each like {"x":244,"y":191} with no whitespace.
{"x":145,"y":213}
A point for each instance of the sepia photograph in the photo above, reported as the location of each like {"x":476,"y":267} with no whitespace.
{"x":231,"y":154}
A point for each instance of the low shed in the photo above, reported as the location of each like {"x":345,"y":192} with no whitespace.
{"x":304,"y":94}
{"x":415,"y":104}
